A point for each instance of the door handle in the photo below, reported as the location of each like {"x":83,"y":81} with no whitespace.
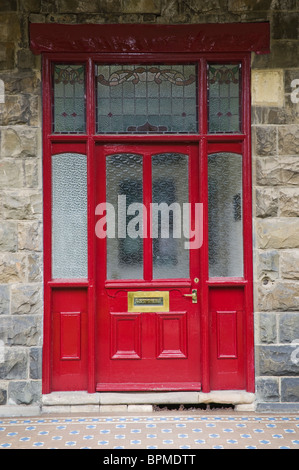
{"x":193,"y":296}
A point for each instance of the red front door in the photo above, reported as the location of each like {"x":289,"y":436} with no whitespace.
{"x":139,"y":293}
{"x":148,"y":239}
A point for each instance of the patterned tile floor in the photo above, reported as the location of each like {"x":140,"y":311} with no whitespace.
{"x":158,"y":430}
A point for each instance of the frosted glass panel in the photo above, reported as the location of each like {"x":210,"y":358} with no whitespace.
{"x":224,"y":86}
{"x":69,"y":216}
{"x":170,"y":186}
{"x":225,"y":215}
{"x":69,"y":99}
{"x":124,"y":194}
{"x":146,"y":99}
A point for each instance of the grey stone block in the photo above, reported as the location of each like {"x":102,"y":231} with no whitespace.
{"x":24,"y":392}
{"x":267,"y":328}
{"x":26,"y":299}
{"x":35,"y":365}
{"x":70,"y":398}
{"x":14,"y":366}
{"x":113,"y":408}
{"x":11,"y":411}
{"x":147,"y":397}
{"x":267,"y":389}
{"x":24,"y":330}
{"x":278,"y":296}
{"x":140,"y":408}
{"x":4,"y":300}
{"x":288,"y":327}
{"x":276,"y":360}
{"x":3,"y":396}
{"x":290,"y":389}
{"x":277,"y":407}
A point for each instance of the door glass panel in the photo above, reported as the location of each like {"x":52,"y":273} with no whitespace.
{"x":146,"y":99}
{"x":225,"y":215}
{"x":69,"y":99}
{"x":69,"y":216}
{"x":170,"y":190}
{"x":124,"y":196}
{"x":224,"y":87}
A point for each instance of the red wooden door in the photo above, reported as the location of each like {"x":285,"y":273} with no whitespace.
{"x":147,"y":267}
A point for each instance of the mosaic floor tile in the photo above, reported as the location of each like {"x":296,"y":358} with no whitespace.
{"x":155,"y":431}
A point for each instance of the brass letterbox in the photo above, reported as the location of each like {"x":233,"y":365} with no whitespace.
{"x":148,"y":301}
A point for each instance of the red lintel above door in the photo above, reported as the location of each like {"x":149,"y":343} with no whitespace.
{"x":140,"y":38}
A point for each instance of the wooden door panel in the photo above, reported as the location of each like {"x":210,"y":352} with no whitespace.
{"x":148,"y":346}
{"x":69,"y":313}
{"x":172,"y":335}
{"x":125,"y":336}
{"x":226,"y":328}
{"x":70,"y":335}
{"x":227,"y":338}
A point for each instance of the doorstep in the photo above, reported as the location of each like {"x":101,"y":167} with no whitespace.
{"x":122,"y":402}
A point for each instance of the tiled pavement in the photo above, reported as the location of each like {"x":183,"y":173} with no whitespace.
{"x":156,"y":430}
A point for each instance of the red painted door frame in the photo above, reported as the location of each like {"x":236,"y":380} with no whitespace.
{"x":80,"y":374}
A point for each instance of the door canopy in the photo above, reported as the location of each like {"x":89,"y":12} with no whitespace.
{"x":141,"y":38}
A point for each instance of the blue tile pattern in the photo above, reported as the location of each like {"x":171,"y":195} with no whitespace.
{"x":152,"y":431}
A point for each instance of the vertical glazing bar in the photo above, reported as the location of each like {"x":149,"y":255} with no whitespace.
{"x":194,"y":198}
{"x":204,"y":297}
{"x":202,"y":97}
{"x":204,"y":256}
{"x":90,"y":128}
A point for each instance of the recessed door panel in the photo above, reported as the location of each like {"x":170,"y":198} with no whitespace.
{"x":125,"y":336}
{"x":172,"y":335}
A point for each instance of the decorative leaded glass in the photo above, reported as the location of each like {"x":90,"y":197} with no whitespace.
{"x":69,"y":99}
{"x":224,"y":108}
{"x":147,"y":99}
{"x":69,"y":216}
{"x":225,"y":215}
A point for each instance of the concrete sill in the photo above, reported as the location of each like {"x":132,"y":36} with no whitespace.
{"x":140,"y":401}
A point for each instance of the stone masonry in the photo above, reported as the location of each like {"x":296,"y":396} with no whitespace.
{"x":275,"y":163}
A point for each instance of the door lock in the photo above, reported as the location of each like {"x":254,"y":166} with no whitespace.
{"x":193,"y":296}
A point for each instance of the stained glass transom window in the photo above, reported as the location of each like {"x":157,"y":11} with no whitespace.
{"x":69,"y":99}
{"x":224,"y":103}
{"x":147,"y":99}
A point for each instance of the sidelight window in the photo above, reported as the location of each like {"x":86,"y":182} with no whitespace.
{"x":69,"y":216}
{"x":225,"y":215}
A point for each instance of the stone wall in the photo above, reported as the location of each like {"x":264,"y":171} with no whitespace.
{"x":275,"y":119}
{"x":275,"y":151}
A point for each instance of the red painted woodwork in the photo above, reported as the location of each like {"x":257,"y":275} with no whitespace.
{"x":69,"y":333}
{"x":227,"y":339}
{"x":172,"y":335}
{"x":125,"y":334}
{"x":91,"y":341}
{"x":148,"y":350}
{"x":147,"y":38}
